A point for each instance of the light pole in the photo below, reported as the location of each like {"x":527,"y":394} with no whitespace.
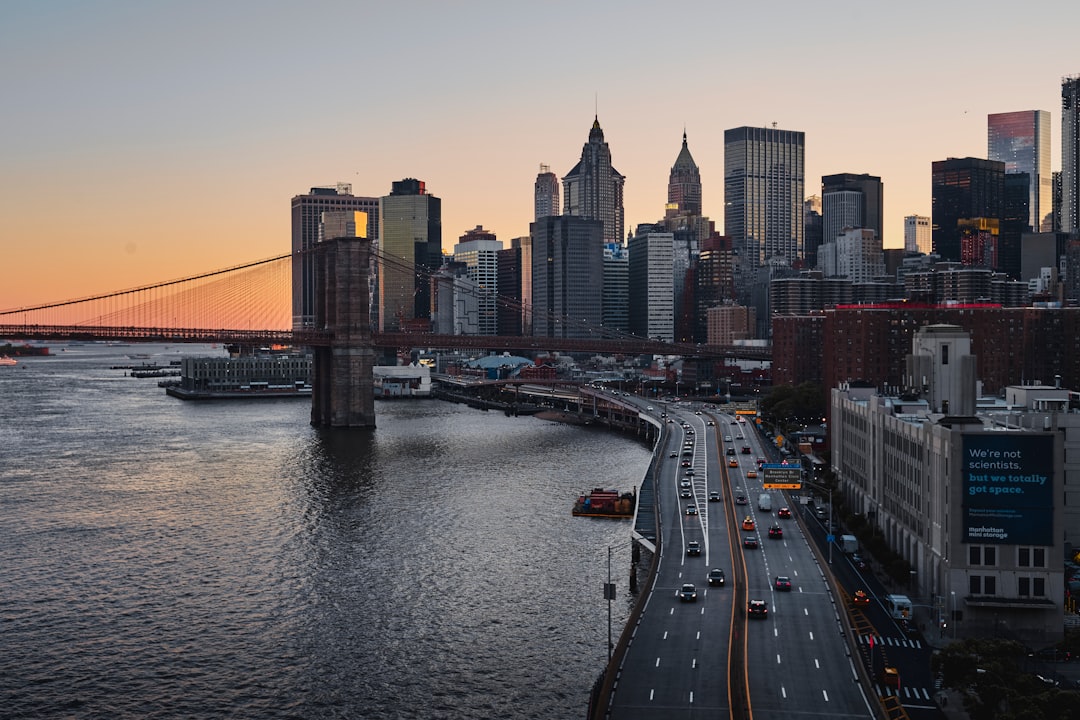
{"x":952,"y":612}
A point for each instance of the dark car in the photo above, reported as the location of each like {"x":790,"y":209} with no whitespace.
{"x":674,"y":454}
{"x":757,"y":608}
{"x":691,"y":509}
{"x":685,"y":493}
{"x":776,"y":532}
{"x":714,"y":496}
{"x":716,"y":576}
{"x":858,"y":562}
{"x":687,"y":593}
{"x":783,"y":513}
{"x":750,"y":541}
{"x":782,"y":583}
{"x":685,"y":463}
{"x":693,"y":548}
{"x":741,"y":500}
{"x":730,"y":451}
{"x":745,"y":449}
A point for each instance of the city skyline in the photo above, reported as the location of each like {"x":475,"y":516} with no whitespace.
{"x":143,"y":143}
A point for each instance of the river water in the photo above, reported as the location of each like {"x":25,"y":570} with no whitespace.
{"x":171,"y":559}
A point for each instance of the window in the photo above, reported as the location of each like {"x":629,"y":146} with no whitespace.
{"x":1023,"y":587}
{"x":982,"y":555}
{"x":1038,"y":587}
{"x":975,"y":555}
{"x":1038,"y":557}
{"x":944,"y":354}
{"x":990,"y":585}
{"x":975,"y":585}
{"x":990,"y":556}
{"x":1023,"y":557}
{"x":1031,"y":557}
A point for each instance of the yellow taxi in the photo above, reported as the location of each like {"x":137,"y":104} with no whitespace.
{"x":748,"y":523}
{"x":733,"y":463}
{"x":751,"y":473}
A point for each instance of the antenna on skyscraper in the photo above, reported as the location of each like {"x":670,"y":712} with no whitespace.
{"x":774,"y":125}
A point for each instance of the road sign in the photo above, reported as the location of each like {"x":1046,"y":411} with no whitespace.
{"x":781,"y":477}
{"x":830,"y":538}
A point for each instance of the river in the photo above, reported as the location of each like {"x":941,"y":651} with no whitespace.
{"x":171,"y":559}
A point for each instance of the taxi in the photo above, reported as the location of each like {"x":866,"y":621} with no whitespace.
{"x":860,"y":598}
{"x":733,"y":463}
{"x":748,"y":523}
{"x":751,"y":473}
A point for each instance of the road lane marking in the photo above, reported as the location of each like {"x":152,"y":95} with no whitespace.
{"x":693,"y":664}
{"x":826,"y":694}
{"x":691,"y":697}
{"x":651,"y":693}
{"x":806,"y":611}
{"x":777,"y":658}
{"x":658,"y":662}
{"x":811,"y":634}
{"x":665,"y":635}
{"x":783,"y":691}
{"x":817,"y":664}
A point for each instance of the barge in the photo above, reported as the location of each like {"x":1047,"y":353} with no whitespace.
{"x":599,"y":502}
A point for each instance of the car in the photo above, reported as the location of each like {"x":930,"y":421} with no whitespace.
{"x":650,"y":408}
{"x":674,"y":454}
{"x":690,"y":431}
{"x":689,"y":472}
{"x":698,"y":412}
{"x":714,"y":496}
{"x":782,"y":583}
{"x":669,"y":419}
{"x":860,"y":598}
{"x":685,"y":463}
{"x":748,"y":523}
{"x":760,"y":461}
{"x":783,"y":513}
{"x":685,"y":493}
{"x":685,"y":483}
{"x":741,"y":500}
{"x":688,"y":452}
{"x":712,"y":424}
{"x":716,"y":576}
{"x":757,"y":608}
{"x":733,"y":463}
{"x":693,"y":548}
{"x":750,"y":541}
{"x":691,"y":509}
{"x":745,"y":449}
{"x":733,"y":422}
{"x":776,"y":532}
{"x":663,"y":415}
{"x":687,"y":593}
{"x":731,"y":451}
{"x":727,"y":438}
{"x":751,"y":473}
{"x":858,"y":561}
{"x":739,"y":436}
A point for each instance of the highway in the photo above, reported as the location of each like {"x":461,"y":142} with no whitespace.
{"x":793,"y":663}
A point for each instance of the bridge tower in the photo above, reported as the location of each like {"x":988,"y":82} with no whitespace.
{"x":342,"y":381}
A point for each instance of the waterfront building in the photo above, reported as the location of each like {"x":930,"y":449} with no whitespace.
{"x":1021,"y":140}
{"x":764,"y":183}
{"x":568,"y":259}
{"x":263,"y":373}
{"x":410,"y":250}
{"x":651,"y":284}
{"x":593,"y":189}
{"x":478,"y":250}
{"x":545,"y":194}
{"x":849,"y":200}
{"x":919,"y":465}
{"x":346,"y":214}
{"x":1070,"y":154}
{"x":963,"y":188}
{"x":917,"y":236}
{"x":616,"y":288}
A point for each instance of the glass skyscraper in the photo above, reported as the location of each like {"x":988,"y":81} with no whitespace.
{"x":1070,"y":153}
{"x":1021,"y":140}
{"x":764,"y":189}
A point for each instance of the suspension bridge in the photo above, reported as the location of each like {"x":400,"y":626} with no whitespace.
{"x":251,"y":305}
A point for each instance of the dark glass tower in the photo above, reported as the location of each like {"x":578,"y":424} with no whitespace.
{"x":963,"y":189}
{"x":850,"y":200}
{"x":1070,"y":154}
{"x":1021,"y":140}
{"x":593,"y":189}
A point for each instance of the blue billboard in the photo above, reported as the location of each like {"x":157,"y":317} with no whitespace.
{"x":1008,"y":485}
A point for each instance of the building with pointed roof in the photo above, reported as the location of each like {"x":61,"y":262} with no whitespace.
{"x":684,"y":185}
{"x":593,"y":189}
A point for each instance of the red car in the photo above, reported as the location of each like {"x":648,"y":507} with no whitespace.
{"x":783,"y":513}
{"x":782,"y":583}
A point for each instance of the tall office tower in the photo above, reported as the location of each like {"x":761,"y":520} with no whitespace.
{"x":568,"y":258}
{"x":525,"y":246}
{"x":410,"y":250}
{"x":1021,"y":140}
{"x":713,"y":280}
{"x":478,"y":250}
{"x":963,"y":188}
{"x":509,"y":311}
{"x":858,"y":255}
{"x":764,"y":187}
{"x":307,"y":216}
{"x":1056,"y":203}
{"x":1070,"y":153}
{"x":814,"y":232}
{"x":652,"y":288}
{"x":851,"y":201}
{"x":616,"y":288}
{"x":545,"y":194}
{"x":917,"y":234}
{"x":593,"y":189}
{"x":684,"y":185}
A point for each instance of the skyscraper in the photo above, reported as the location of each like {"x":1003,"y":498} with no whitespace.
{"x":651,"y":284}
{"x":545,"y":194}
{"x":917,"y":234}
{"x":963,"y":188}
{"x":684,"y":185}
{"x":764,"y":189}
{"x":1070,"y":153}
{"x":307,"y":218}
{"x":410,"y":249}
{"x":593,"y":189}
{"x":568,"y":259}
{"x":478,"y":250}
{"x":851,"y":201}
{"x":1021,"y":140}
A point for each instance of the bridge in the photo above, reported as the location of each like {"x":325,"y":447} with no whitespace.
{"x":250,"y":304}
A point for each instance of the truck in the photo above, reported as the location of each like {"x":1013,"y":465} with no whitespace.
{"x":849,"y":544}
{"x":898,"y":606}
{"x":764,"y":502}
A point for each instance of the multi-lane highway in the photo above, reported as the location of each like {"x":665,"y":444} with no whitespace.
{"x":706,"y":657}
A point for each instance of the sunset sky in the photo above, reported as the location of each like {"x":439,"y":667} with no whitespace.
{"x":145,"y":141}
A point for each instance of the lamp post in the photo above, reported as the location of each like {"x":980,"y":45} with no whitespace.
{"x":828,"y":530}
{"x":952,"y":612}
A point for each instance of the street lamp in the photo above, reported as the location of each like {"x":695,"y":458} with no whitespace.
{"x":952,"y":612}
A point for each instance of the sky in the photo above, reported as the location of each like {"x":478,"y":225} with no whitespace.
{"x":149,"y":141}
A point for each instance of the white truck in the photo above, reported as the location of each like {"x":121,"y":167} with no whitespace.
{"x":849,"y":544}
{"x":899,"y":606}
{"x":764,"y":502}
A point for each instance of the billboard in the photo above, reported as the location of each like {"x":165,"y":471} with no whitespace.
{"x":1008,"y":486}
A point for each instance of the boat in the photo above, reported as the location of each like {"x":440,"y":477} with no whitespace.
{"x":5,"y":360}
{"x":25,"y":349}
{"x":599,"y":502}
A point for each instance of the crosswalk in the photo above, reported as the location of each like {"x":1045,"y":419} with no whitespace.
{"x":891,"y":641}
{"x":904,"y":693}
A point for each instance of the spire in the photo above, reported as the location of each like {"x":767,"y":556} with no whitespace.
{"x":685,"y":160}
{"x":596,"y":134}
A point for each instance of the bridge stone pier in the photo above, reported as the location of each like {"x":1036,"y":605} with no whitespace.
{"x":342,"y":382}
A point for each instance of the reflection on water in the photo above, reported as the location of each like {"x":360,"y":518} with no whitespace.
{"x":175,"y":559}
